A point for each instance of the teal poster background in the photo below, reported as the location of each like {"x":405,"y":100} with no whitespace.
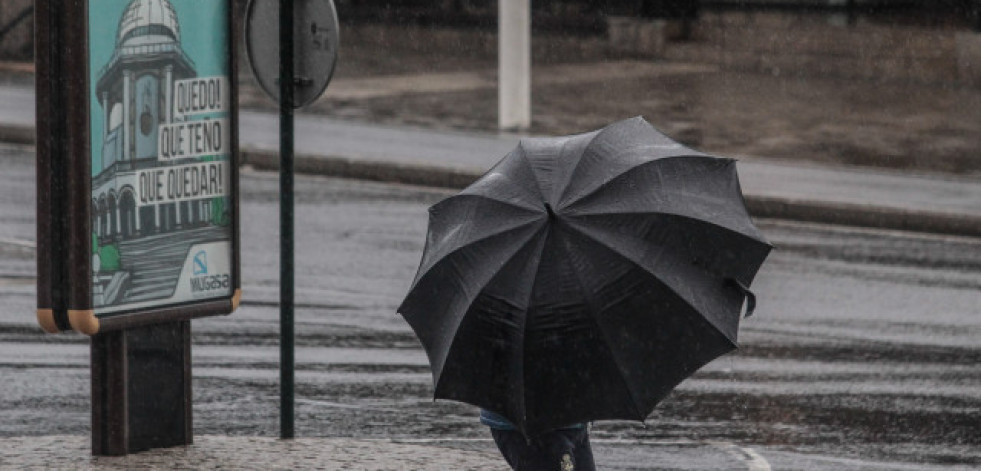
{"x":204,"y":37}
{"x":160,"y":111}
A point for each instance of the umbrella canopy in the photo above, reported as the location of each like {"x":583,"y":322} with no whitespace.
{"x":584,"y":277}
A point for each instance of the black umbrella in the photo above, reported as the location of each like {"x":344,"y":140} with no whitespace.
{"x":584,"y":277}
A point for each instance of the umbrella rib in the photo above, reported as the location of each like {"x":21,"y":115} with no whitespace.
{"x":531,"y":169}
{"x":524,"y":323}
{"x":472,"y":298}
{"x":675,"y":214}
{"x":489,"y":183}
{"x":655,"y":275}
{"x":423,"y":269}
{"x":572,"y":173}
{"x":489,"y":197}
{"x":592,"y":310}
{"x":691,"y":155}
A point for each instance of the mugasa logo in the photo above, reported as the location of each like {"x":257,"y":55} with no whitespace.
{"x":201,"y":263}
{"x":202,"y":281}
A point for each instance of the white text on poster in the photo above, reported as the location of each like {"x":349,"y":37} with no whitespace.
{"x":182,"y":183}
{"x":200,"y":95}
{"x":192,"y":139}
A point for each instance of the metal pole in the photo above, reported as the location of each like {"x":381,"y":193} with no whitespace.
{"x":286,"y":216}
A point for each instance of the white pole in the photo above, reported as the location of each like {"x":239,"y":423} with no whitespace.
{"x":514,"y":64}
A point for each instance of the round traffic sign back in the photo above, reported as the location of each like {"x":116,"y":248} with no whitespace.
{"x":315,"y":45}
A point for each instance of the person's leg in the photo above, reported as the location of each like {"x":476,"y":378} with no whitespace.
{"x":551,"y":451}
{"x":561,"y":450}
{"x":584,"y":452}
{"x":503,"y":440}
{"x":517,"y":451}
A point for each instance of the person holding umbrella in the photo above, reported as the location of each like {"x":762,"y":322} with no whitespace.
{"x":581,"y":279}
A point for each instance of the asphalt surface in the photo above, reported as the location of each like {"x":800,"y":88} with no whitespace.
{"x":863,"y":352}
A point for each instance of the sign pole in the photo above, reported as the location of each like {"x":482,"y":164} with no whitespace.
{"x":292,"y":51}
{"x":286,"y":85}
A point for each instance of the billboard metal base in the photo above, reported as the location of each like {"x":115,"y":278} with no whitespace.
{"x":141,"y":389}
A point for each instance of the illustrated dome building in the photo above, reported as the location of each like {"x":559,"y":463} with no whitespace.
{"x":135,"y":90}
{"x":144,"y":19}
{"x":135,"y":86}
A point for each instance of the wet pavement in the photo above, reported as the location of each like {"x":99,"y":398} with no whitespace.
{"x":863,"y":352}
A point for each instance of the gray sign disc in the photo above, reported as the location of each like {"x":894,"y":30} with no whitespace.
{"x":315,"y":44}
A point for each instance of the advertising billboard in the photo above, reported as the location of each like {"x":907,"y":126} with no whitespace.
{"x":149,"y":140}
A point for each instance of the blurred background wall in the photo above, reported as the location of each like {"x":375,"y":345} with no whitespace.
{"x":16,"y":30}
{"x":916,"y":41}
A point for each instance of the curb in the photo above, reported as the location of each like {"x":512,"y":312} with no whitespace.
{"x":845,"y":214}
{"x":759,"y":206}
{"x":858,"y":215}
{"x":362,"y":169}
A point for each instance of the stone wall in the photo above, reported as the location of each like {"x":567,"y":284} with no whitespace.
{"x":797,"y":44}
{"x":779,"y":43}
{"x":18,"y":43}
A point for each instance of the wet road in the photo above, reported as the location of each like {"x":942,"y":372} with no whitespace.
{"x":863,"y":353}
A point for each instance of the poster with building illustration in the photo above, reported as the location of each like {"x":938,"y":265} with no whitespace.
{"x":159,"y":105}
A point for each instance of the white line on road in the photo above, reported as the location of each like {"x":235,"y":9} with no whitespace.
{"x":752,"y":459}
{"x":756,"y":462}
{"x":30,"y":244}
{"x":386,"y":407}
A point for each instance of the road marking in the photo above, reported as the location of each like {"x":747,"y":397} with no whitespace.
{"x":757,"y":461}
{"x":329,"y":404}
{"x":752,"y":459}
{"x":386,"y":407}
{"x":28,"y":244}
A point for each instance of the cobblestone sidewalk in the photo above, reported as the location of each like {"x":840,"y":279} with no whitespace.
{"x":60,"y":452}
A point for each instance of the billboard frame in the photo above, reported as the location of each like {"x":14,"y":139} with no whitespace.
{"x":64,"y":147}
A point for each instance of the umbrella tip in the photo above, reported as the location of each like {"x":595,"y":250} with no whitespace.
{"x":550,"y":211}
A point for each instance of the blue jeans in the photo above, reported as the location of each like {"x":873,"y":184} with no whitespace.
{"x":559,"y":450}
